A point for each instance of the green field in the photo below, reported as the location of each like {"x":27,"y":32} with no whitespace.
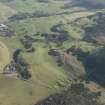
{"x":47,"y":76}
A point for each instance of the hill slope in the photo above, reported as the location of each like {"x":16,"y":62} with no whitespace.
{"x":54,"y":46}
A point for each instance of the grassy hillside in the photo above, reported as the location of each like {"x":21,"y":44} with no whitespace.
{"x":5,"y":12}
{"x":34,"y":20}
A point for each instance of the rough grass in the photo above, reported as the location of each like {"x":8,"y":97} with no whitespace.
{"x":4,"y":56}
{"x":33,"y":5}
{"x":5,"y":12}
{"x":47,"y":77}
